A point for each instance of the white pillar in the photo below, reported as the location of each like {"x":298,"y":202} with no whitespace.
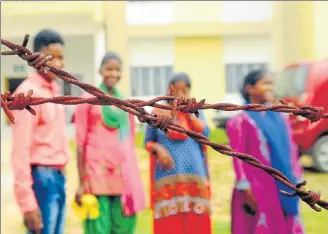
{"x":99,"y":52}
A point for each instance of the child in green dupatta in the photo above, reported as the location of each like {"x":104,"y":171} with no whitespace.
{"x":111,"y":218}
{"x":114,"y":117}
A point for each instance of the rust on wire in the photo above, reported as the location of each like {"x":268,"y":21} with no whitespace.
{"x":164,"y":120}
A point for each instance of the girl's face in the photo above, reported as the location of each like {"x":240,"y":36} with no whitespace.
{"x":111,"y":72}
{"x":181,"y":89}
{"x":262,"y":91}
{"x":56,"y":51}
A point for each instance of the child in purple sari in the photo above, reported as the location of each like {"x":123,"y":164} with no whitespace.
{"x":257,"y":205}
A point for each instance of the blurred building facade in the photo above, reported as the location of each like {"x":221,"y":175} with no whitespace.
{"x":215,"y":42}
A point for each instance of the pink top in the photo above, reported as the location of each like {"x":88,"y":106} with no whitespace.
{"x":111,"y":165}
{"x":37,"y":139}
{"x":102,"y":151}
{"x":242,"y":125}
{"x":246,"y":137}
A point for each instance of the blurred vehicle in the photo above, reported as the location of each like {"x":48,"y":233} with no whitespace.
{"x":221,"y":117}
{"x":306,"y":83}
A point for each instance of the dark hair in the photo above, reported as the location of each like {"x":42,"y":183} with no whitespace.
{"x":251,"y":79}
{"x":109,"y":56}
{"x":46,"y":37}
{"x":180,"y":76}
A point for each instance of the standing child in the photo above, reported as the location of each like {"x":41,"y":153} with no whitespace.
{"x":107,"y":161}
{"x":40,"y":147}
{"x":180,"y":187}
{"x":257,"y":205}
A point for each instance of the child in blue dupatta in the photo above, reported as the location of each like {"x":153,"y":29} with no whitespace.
{"x":257,"y":204}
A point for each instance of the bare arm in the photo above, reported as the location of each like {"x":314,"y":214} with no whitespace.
{"x":82,"y":125}
{"x":81,"y":164}
{"x":20,"y":160}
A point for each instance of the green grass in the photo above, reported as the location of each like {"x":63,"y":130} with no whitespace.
{"x":219,"y":136}
{"x":140,"y":140}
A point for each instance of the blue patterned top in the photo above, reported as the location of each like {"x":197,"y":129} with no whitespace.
{"x":187,"y":154}
{"x":185,"y":188}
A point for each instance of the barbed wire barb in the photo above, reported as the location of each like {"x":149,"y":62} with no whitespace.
{"x":164,"y":120}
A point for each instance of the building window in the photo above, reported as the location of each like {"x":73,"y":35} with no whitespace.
{"x":235,"y":73}
{"x":150,"y":81}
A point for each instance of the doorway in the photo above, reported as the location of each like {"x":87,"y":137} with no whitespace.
{"x":13,"y":83}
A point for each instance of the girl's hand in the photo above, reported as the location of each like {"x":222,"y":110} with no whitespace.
{"x":33,"y":221}
{"x":163,"y":157}
{"x":78,"y":194}
{"x":250,"y":201}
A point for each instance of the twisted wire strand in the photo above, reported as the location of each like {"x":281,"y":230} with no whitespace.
{"x":163,"y":120}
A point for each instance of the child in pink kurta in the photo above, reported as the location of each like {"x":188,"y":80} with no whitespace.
{"x":108,"y":165}
{"x":40,"y":148}
{"x":256,"y":204}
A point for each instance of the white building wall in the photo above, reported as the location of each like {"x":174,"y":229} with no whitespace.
{"x":78,"y":54}
{"x":252,"y":49}
{"x":99,"y":52}
{"x":79,"y":61}
{"x":149,"y":12}
{"x":148,"y":54}
{"x":151,"y":52}
{"x":84,"y":42}
{"x":320,"y":30}
{"x":69,"y":24}
{"x":239,"y":53}
{"x":167,"y":12}
{"x":29,"y":8}
{"x":246,"y":11}
{"x":194,"y":11}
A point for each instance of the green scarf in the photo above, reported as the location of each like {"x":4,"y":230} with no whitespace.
{"x":115,"y":118}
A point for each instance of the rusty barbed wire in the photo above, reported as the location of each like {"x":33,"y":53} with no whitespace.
{"x":164,"y":120}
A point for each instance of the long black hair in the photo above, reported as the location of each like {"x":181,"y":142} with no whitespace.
{"x":251,"y":79}
{"x":109,"y":56}
{"x":180,"y":76}
{"x":46,"y":37}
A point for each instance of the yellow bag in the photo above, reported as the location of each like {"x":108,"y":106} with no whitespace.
{"x":89,"y":208}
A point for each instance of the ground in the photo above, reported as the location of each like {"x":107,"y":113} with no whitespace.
{"x":222,"y":182}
